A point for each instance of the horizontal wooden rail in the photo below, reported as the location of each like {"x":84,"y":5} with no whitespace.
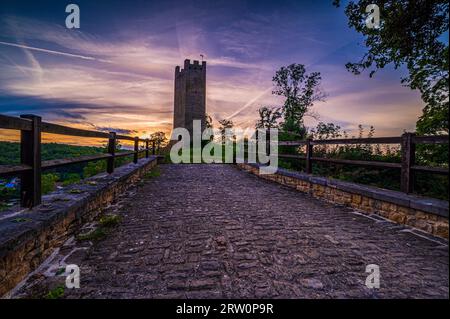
{"x":292,"y":156}
{"x":292,"y":143}
{"x":371,"y":140}
{"x":76,"y":160}
{"x":438,"y":139}
{"x":6,"y":170}
{"x":435,"y":170}
{"x":357,"y":162}
{"x":14,"y":123}
{"x":22,"y":124}
{"x":124,"y":154}
{"x":64,"y":130}
{"x":343,"y":161}
{"x":31,"y":167}
{"x":407,"y":166}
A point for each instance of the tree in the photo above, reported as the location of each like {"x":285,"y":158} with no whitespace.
{"x":301,"y":90}
{"x":208,"y":121}
{"x":159,"y":138}
{"x":324,"y":131}
{"x":410,"y":34}
{"x":268,"y":117}
{"x":224,"y":126}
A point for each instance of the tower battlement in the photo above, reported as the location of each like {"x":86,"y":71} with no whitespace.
{"x":190,"y":94}
{"x":191,"y":66}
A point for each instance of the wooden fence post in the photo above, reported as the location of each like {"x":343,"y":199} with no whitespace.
{"x":136,"y":150}
{"x":309,"y":153}
{"x":408,"y":149}
{"x":153,"y":147}
{"x":30,"y":154}
{"x":112,"y":152}
{"x":147,"y":154}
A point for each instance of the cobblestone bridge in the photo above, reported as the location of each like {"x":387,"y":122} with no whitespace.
{"x":213,"y":231}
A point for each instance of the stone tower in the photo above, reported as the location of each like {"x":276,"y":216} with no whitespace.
{"x":190,"y":95}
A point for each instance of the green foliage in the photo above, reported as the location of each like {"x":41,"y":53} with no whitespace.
{"x":95,"y":235}
{"x":3,"y":206}
{"x":301,"y":91}
{"x":225,"y":125}
{"x":9,"y":153}
{"x":436,"y":187}
{"x":49,"y":182}
{"x":268,"y":117}
{"x":155,"y":172}
{"x":21,"y":220}
{"x":110,"y":220}
{"x":71,"y":179}
{"x":55,"y":293}
{"x":75,"y":191}
{"x":159,"y":138}
{"x":208,"y":121}
{"x":325,"y":131}
{"x":94,"y":168}
{"x":60,"y":271}
{"x":411,"y":34}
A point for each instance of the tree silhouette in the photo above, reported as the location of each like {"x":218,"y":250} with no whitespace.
{"x":301,"y":90}
{"x":268,"y":117}
{"x":410,"y":34}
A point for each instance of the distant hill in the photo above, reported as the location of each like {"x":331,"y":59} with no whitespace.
{"x":10,"y":152}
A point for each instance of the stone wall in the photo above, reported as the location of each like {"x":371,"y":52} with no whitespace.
{"x":27,"y":238}
{"x":429,"y":215}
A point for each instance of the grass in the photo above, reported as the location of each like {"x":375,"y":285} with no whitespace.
{"x":75,"y":191}
{"x":55,"y":293}
{"x":95,"y":235}
{"x":110,"y":220}
{"x":60,"y":271}
{"x":106,"y":223}
{"x":3,"y":206}
{"x":155,"y":172}
{"x":21,"y":220}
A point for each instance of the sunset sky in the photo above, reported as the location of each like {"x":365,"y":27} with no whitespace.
{"x":117,"y":70}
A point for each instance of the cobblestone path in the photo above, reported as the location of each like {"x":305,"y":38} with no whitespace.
{"x":213,"y":231}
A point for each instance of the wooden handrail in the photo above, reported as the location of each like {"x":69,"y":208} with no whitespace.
{"x":31,"y":167}
{"x":407,"y":141}
{"x":369,"y":140}
{"x":14,"y":123}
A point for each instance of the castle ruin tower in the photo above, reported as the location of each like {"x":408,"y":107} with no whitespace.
{"x":190,"y":95}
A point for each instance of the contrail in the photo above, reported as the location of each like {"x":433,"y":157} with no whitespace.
{"x":250,"y":103}
{"x":54,"y":52}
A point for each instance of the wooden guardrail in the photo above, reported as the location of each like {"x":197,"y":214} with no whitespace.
{"x":407,"y":141}
{"x":31,"y":166}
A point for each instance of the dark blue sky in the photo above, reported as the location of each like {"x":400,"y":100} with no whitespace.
{"x":117,"y":69}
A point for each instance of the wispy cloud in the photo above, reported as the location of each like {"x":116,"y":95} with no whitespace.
{"x":123,"y":77}
{"x":54,"y":52}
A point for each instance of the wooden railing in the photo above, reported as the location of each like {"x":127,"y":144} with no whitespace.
{"x":407,"y":166}
{"x":31,"y":166}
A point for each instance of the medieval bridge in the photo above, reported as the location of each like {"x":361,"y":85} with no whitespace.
{"x":150,"y":229}
{"x":213,"y":231}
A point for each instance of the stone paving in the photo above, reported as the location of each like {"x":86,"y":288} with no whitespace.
{"x":213,"y":231}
